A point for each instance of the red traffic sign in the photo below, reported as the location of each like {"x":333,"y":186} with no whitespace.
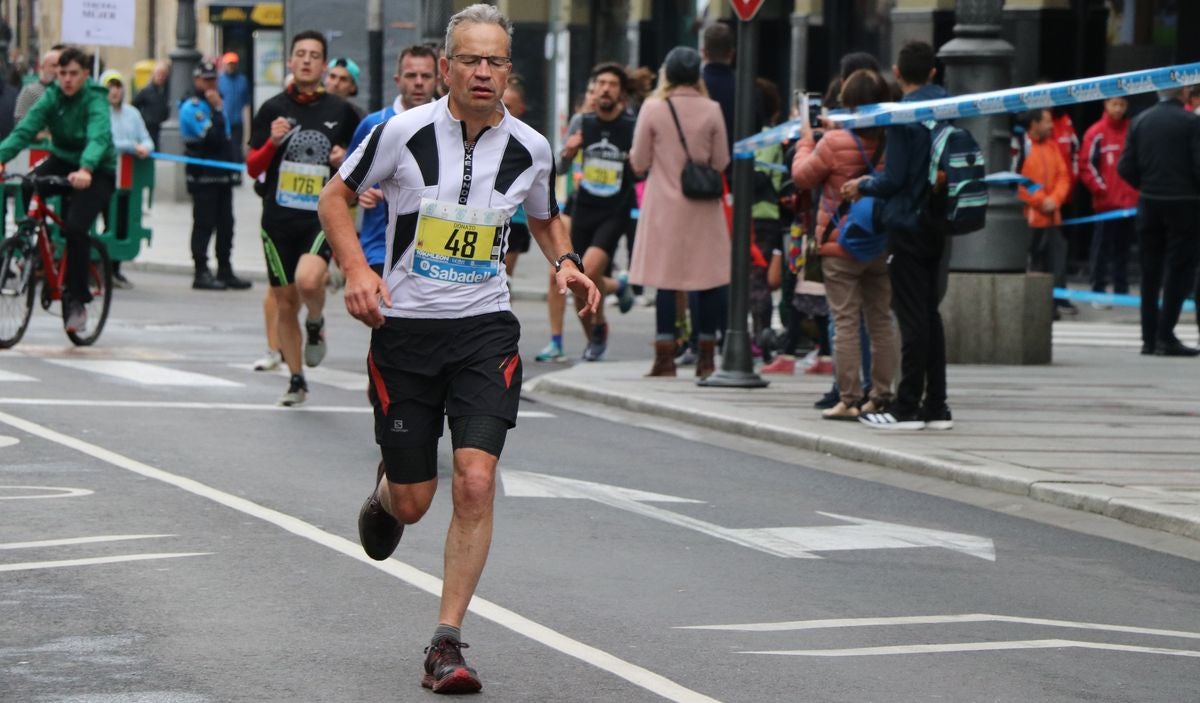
{"x":746,"y":9}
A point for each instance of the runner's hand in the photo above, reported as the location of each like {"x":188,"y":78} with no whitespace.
{"x":336,"y":155}
{"x":370,"y":198}
{"x":364,"y":293}
{"x":279,"y":129}
{"x":80,"y":180}
{"x":581,"y":286}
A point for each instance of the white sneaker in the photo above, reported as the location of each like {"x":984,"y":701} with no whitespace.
{"x":269,"y":361}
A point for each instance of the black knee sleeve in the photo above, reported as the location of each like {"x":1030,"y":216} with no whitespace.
{"x":482,"y":432}
{"x":410,"y":464}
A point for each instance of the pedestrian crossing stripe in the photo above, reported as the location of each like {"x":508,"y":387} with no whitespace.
{"x":13,"y":377}
{"x":145,"y":374}
{"x":345,"y":380}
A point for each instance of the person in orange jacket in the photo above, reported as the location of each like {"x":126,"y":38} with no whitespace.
{"x":1044,"y":165}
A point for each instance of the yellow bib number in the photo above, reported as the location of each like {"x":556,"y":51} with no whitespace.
{"x":456,"y":243}
{"x":300,"y":185}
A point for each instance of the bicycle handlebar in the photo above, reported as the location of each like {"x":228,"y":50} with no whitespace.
{"x":55,"y":181}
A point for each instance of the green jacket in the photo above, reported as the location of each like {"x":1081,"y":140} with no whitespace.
{"x":80,"y":129}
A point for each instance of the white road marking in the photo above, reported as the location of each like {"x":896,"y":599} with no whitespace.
{"x":6,"y":441}
{"x":345,"y":380}
{"x":14,"y":377}
{"x":54,"y":492}
{"x":93,"y":561}
{"x":937,"y":620}
{"x":541,"y":634}
{"x":75,"y":540}
{"x":145,"y":374}
{"x":189,"y":405}
{"x":786,"y":542}
{"x":978,"y":647}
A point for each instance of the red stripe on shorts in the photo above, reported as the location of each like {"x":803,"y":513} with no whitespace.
{"x":511,"y":369}
{"x":377,"y":382}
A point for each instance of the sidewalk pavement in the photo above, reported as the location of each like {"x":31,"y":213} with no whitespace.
{"x":1102,"y":430}
{"x":170,"y":248}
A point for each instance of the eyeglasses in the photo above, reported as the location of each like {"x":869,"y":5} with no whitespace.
{"x":471,"y":60}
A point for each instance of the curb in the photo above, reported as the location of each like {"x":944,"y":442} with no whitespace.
{"x":1131,"y":505}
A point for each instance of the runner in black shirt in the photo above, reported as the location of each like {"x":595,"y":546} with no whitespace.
{"x":601,"y":212}
{"x":296,"y":139}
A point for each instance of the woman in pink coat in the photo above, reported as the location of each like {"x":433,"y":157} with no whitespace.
{"x":681,"y":244}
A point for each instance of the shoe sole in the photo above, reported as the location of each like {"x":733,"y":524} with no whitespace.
{"x":291,"y":403}
{"x":459,"y":681}
{"x":314,"y":354}
{"x":905,"y":425}
{"x":939,"y":425}
{"x":840,"y":418}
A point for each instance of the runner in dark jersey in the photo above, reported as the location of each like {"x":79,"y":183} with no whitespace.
{"x":601,"y":212}
{"x":296,"y":139}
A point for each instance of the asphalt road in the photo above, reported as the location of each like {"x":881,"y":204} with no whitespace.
{"x":192,"y":543}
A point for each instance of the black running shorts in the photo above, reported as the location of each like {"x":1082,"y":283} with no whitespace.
{"x":519,"y":237}
{"x":603,"y":230}
{"x":425,"y":370}
{"x":284,"y":247}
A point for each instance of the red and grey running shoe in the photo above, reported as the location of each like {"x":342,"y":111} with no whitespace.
{"x":445,"y":670}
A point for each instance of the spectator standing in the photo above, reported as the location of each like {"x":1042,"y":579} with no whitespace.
{"x":205,"y":134}
{"x":1043,"y":164}
{"x":1162,"y":160}
{"x":1111,"y":240}
{"x":235,"y":94}
{"x":47,"y":74}
{"x":129,"y":136}
{"x":154,"y":102}
{"x":857,"y":290}
{"x":916,"y":241}
{"x":681,"y":244}
{"x":717,"y":49}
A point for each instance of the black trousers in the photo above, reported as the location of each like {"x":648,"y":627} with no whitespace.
{"x":212,"y":208}
{"x":1167,"y":236}
{"x":78,"y":211}
{"x":1111,"y":242}
{"x":915,"y":295}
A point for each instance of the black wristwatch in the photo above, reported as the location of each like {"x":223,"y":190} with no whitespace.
{"x":572,"y":256}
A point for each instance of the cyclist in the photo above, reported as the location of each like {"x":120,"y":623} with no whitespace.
{"x":75,"y":111}
{"x":295,"y":139}
{"x":445,"y":338}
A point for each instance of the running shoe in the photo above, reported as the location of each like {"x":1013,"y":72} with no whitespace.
{"x":269,"y":361}
{"x":314,"y":350}
{"x":76,"y":322}
{"x":598,"y":344}
{"x":445,"y":670}
{"x":624,"y":293}
{"x":297,"y":392}
{"x":551,"y":352}
{"x":378,"y":532}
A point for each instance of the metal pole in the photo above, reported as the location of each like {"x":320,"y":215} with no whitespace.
{"x":375,"y":54}
{"x":737,"y":365}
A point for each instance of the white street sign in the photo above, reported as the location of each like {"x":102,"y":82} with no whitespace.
{"x":98,"y":22}
{"x":787,"y":542}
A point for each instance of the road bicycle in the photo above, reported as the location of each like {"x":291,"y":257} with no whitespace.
{"x":30,"y":256}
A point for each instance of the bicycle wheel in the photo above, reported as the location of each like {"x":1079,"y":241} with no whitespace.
{"x":100,"y":286}
{"x":18,"y":262}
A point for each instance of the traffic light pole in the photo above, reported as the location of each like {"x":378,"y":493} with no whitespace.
{"x":737,"y":364}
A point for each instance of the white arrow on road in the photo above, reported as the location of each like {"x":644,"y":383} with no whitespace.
{"x":787,"y":542}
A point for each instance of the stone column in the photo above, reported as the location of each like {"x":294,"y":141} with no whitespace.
{"x":994,"y":312}
{"x":184,"y":58}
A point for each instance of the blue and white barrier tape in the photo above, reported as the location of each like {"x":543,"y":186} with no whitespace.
{"x":1001,"y":178}
{"x":227,"y":165}
{"x":1118,"y":299}
{"x":1101,"y":217}
{"x":995,"y":102}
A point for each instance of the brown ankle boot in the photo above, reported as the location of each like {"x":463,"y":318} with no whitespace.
{"x":664,"y":359}
{"x":705,"y":364}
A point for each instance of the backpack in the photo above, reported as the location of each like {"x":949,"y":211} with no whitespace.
{"x":859,"y":233}
{"x":955,"y":156}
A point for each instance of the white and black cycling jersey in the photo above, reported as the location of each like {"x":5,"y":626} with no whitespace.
{"x":450,"y":202}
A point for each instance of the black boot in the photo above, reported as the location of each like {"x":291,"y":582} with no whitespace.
{"x":225,"y":275}
{"x":204,"y":280}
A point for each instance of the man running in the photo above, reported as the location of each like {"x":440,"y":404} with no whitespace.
{"x":415,"y":71}
{"x":75,"y":110}
{"x":296,"y":138}
{"x":445,"y":339}
{"x":605,"y":199}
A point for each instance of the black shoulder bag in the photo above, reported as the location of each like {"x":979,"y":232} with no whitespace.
{"x":698,"y":181}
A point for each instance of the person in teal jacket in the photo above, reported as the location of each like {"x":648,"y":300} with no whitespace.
{"x":75,"y":111}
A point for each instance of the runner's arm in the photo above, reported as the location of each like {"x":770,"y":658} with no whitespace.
{"x":551,"y":236}
{"x":364,"y":290}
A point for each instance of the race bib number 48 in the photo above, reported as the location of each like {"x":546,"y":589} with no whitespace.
{"x":456,"y":243}
{"x":300,"y":185}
